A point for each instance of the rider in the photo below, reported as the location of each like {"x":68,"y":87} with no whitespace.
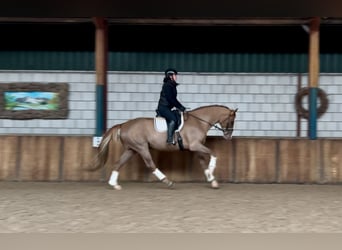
{"x":168,"y":100}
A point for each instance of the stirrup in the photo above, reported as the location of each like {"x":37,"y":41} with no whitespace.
{"x":171,"y":142}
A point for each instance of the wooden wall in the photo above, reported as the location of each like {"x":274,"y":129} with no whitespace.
{"x":241,"y":160}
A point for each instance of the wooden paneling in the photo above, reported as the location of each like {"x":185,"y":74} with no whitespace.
{"x":299,"y":161}
{"x":39,"y":158}
{"x":8,"y":157}
{"x":241,"y":160}
{"x":332,"y":161}
{"x":78,"y":155}
{"x":255,"y":161}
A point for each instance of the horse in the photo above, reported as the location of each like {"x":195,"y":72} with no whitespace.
{"x":138,"y":135}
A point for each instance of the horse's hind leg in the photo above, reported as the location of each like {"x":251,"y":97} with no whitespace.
{"x":125,"y":156}
{"x":147,"y":158}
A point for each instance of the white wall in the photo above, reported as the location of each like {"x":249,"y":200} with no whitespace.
{"x":265,"y":101}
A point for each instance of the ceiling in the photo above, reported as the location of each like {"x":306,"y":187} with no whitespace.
{"x":168,"y":10}
{"x":232,"y":21}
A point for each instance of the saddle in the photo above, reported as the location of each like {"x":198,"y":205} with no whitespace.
{"x":160,"y":122}
{"x":160,"y":125}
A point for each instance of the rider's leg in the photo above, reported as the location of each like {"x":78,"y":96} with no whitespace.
{"x":171,"y":119}
{"x":171,"y":127}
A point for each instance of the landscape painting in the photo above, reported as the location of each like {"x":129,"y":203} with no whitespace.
{"x":33,"y":101}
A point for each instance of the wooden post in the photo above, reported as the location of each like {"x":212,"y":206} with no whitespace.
{"x":299,"y":86}
{"x":101,"y":65}
{"x":313,"y":76}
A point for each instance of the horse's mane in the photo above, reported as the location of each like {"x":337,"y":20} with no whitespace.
{"x":210,"y":106}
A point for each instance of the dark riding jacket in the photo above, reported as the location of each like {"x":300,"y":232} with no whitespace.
{"x":168,"y":96}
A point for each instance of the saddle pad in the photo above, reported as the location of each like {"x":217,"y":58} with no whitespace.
{"x":160,"y":124}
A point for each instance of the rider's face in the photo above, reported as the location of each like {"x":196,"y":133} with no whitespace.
{"x":173,"y":77}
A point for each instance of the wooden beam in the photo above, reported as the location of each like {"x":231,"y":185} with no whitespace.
{"x":314,"y":52}
{"x":209,"y":22}
{"x":313,"y":76}
{"x":179,"y":21}
{"x":101,"y":65}
{"x":101,"y":49}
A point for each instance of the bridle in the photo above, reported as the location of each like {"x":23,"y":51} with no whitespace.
{"x":225,"y":130}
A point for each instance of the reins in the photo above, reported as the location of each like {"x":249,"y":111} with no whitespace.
{"x":212,"y":125}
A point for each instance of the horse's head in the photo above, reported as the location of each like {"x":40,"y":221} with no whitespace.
{"x":227,"y":124}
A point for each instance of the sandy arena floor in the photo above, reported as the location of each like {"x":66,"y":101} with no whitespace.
{"x":152,"y":208}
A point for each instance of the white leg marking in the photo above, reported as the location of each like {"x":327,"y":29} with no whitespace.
{"x":212,"y":163}
{"x":209,"y":172}
{"x":209,"y":175}
{"x":113,"y":180}
{"x":159,"y":174}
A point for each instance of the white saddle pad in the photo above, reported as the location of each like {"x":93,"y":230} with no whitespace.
{"x":161,"y":126}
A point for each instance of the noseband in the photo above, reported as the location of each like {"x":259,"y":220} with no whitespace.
{"x":227,"y":129}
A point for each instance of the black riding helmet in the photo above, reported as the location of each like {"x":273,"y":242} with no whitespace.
{"x":170,"y":71}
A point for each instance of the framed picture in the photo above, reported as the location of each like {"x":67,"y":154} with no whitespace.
{"x":33,"y":101}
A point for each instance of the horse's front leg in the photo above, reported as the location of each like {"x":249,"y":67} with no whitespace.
{"x":209,"y":169}
{"x":209,"y":172}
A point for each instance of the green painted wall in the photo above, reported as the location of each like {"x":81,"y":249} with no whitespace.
{"x":187,"y":62}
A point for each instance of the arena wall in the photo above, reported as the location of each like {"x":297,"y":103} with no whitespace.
{"x":265,"y":149}
{"x":266,"y":102}
{"x":241,"y":160}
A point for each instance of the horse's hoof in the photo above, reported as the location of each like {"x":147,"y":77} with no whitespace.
{"x":171,"y":184}
{"x":117,"y":187}
{"x":168,"y":183}
{"x":214,"y":184}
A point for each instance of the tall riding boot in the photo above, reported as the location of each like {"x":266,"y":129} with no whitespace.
{"x":171,"y":127}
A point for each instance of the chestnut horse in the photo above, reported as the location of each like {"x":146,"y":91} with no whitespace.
{"x":138,"y":135}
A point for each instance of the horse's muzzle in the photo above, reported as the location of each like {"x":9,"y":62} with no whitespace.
{"x":228,"y":136}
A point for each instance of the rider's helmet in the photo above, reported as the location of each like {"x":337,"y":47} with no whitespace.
{"x":170,"y":71}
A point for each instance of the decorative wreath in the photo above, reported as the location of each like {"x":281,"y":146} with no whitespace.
{"x":320,"y":110}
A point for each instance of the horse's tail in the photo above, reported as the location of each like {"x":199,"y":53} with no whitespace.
{"x":101,"y":156}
